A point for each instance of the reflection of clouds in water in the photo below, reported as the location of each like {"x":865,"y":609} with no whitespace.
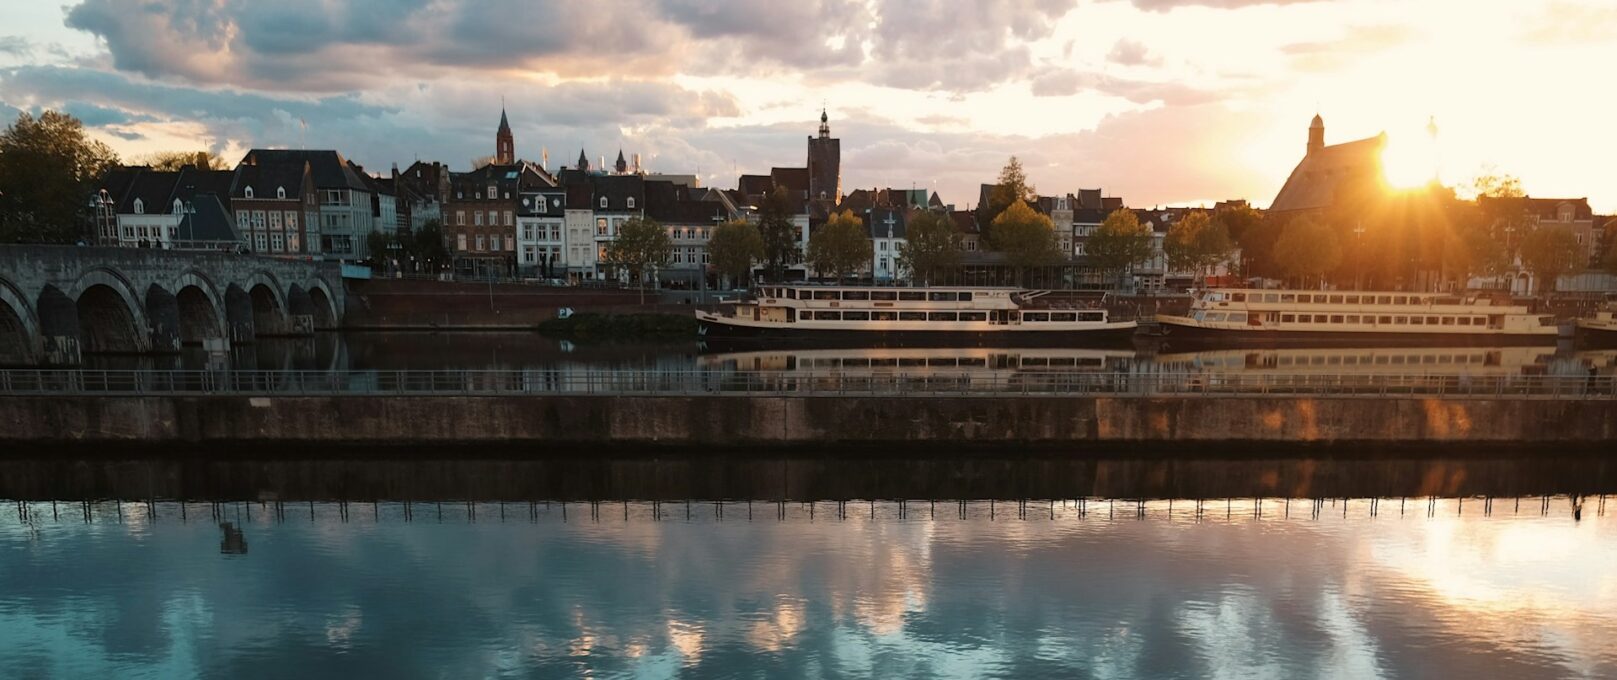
{"x":1243,"y":597}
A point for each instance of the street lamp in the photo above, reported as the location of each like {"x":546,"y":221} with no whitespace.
{"x":187,"y":211}
{"x":1358,"y":269}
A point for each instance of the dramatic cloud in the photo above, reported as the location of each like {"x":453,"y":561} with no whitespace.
{"x":15,"y":45}
{"x":1130,"y":53}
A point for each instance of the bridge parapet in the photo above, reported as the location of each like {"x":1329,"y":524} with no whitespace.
{"x":58,"y":303}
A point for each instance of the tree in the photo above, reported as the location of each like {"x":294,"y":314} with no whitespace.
{"x":735,"y":246}
{"x":1307,"y":249}
{"x":931,"y":246}
{"x":1496,"y":185}
{"x":376,"y":243}
{"x":1027,"y":238}
{"x":1120,"y":242}
{"x":1011,"y":187}
{"x":174,"y":160}
{"x":839,"y":246}
{"x":426,"y":245}
{"x":641,"y":244}
{"x":48,"y":169}
{"x":1610,"y":260}
{"x":1196,"y":243}
{"x":1549,"y":252}
{"x":779,"y":234}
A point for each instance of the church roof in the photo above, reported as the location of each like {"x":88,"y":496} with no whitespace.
{"x":1315,"y":182}
{"x":505,"y":125}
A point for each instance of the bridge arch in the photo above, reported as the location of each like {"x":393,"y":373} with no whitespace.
{"x":19,"y":330}
{"x":201,"y":309}
{"x":111,"y":316}
{"x":326,"y":313}
{"x":163,"y":312}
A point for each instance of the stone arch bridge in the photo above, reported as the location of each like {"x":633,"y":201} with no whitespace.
{"x":58,"y":303}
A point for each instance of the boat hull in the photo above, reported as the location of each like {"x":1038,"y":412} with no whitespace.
{"x":1597,"y":336}
{"x":1178,"y":334}
{"x":719,"y":334}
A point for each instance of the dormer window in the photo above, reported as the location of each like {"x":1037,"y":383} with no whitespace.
{"x":631,"y":203}
{"x":247,"y":192}
{"x":603,"y":202}
{"x":280,"y":192}
{"x":178,"y":207}
{"x":140,"y":207}
{"x":539,"y":204}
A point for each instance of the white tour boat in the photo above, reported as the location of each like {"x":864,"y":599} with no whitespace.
{"x":981,"y":315}
{"x":1600,"y":329}
{"x":1291,"y":316}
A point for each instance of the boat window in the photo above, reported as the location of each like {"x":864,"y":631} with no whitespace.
{"x":887,"y":361}
{"x":1400,"y":319}
{"x":1400,"y":300}
{"x":1237,"y":297}
{"x":941,"y":316}
{"x":1384,"y":319}
{"x":912,"y":316}
{"x":1336,"y":299}
{"x":1465,"y":321}
{"x":883,"y":295}
{"x":974,"y":316}
{"x":883,"y":316}
{"x":1384,"y":300}
{"x":1288,"y":318}
{"x":1271,"y":297}
{"x":1353,"y":318}
{"x":1336,"y":318}
{"x":826,"y":295}
{"x":856,"y":295}
{"x":1064,"y":316}
{"x":912,"y":296}
{"x":1479,"y":321}
{"x":965,"y":297}
{"x":827,"y":316}
{"x":1288,"y":297}
{"x":856,"y":316}
{"x":1417,"y":321}
{"x":1431,"y":321}
{"x":911,"y":361}
{"x":1199,"y":316}
{"x":973,"y":361}
{"x":791,"y":293}
{"x":1035,"y":316}
{"x":942,"y":297}
{"x":1215,"y":316}
{"x":1238,"y":317}
{"x":1091,"y":316}
{"x":1546,"y":321}
{"x":1352,"y":299}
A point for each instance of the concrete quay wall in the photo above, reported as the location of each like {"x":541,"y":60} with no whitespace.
{"x":744,"y":423}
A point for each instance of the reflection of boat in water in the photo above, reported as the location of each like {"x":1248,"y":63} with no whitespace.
{"x":921,"y":361}
{"x":1364,"y":361}
{"x":1293,"y":317}
{"x":870,"y":315}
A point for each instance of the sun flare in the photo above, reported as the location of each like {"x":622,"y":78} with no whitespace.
{"x":1410,"y":159}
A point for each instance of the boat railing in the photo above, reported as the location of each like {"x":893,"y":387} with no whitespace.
{"x":93,"y":382}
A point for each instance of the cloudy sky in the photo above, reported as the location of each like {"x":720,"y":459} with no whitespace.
{"x":1158,"y":101}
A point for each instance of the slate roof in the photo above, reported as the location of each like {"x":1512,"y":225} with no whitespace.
{"x":265,"y":178}
{"x":876,"y":222}
{"x":153,"y":188}
{"x":1322,"y":174}
{"x":329,"y":168}
{"x":1543,"y":208}
{"x":965,"y":221}
{"x":211,"y":221}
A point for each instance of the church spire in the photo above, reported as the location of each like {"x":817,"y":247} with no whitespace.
{"x":583,"y":161}
{"x":622,"y":166}
{"x":825,"y":124}
{"x":504,"y":144}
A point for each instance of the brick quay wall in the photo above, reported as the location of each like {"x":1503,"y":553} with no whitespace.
{"x":554,"y":423}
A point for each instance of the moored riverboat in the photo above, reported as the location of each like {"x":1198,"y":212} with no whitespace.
{"x":1286,"y":317}
{"x":932,"y":315}
{"x":1600,"y":328}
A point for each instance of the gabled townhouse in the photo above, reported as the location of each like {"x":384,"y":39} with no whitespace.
{"x":276,"y":207}
{"x":541,"y":222}
{"x":346,"y":209}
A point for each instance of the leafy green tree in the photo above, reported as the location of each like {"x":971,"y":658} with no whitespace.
{"x":1196,"y":243}
{"x":426,"y":245}
{"x":931,"y":246}
{"x":48,"y":169}
{"x":1120,"y":242}
{"x":1011,"y":187}
{"x":1307,"y":250}
{"x":1549,"y":252}
{"x":779,"y":234}
{"x":174,"y":160}
{"x":1027,"y":238}
{"x":642,"y":244}
{"x":733,"y":249}
{"x":839,"y":246}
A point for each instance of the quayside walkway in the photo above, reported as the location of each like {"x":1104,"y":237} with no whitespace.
{"x":551,"y":412}
{"x":800,"y":383}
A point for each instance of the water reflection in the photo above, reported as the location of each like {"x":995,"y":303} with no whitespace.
{"x":383,"y":351}
{"x":1185,"y":592}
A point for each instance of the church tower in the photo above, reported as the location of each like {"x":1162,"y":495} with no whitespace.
{"x":505,"y":149}
{"x":1316,"y":134}
{"x":825,"y":164}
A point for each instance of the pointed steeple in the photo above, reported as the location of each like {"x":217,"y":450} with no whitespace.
{"x":1316,"y":134}
{"x":622,"y":166}
{"x":505,"y":125}
{"x":825,"y":124}
{"x":583,"y":161}
{"x":505,"y":151}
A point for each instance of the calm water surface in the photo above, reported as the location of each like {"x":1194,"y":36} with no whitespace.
{"x":501,"y":587}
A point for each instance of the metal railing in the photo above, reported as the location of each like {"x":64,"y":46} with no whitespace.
{"x":816,"y":383}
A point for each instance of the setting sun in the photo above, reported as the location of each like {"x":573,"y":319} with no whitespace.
{"x":1410,"y":158}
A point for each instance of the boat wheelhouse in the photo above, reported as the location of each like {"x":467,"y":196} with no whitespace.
{"x":865,"y":312}
{"x":1355,"y":316}
{"x":1601,"y":327}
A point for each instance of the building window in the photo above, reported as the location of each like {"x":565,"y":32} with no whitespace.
{"x":555,"y":232}
{"x":493,"y":217}
{"x":280,"y":192}
{"x":528,"y":233}
{"x":493,"y":191}
{"x":481,"y":243}
{"x":508,"y":219}
{"x":140,"y":207}
{"x":292,"y":242}
{"x":510,"y":243}
{"x":460,"y":242}
{"x":603,"y":202}
{"x":247,"y":192}
{"x":477,"y":218}
{"x":260,"y":242}
{"x":539,"y":204}
{"x":277,"y":241}
{"x":460,"y":218}
{"x":600,"y":226}
{"x":275,"y":220}
{"x":292,"y":221}
{"x":241,"y":219}
{"x":630,"y":202}
{"x":259,"y":220}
